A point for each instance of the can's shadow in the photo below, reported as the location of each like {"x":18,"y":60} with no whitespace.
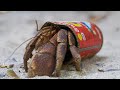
{"x":92,"y":65}
{"x":89,"y":66}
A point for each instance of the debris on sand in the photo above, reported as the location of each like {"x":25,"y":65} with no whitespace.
{"x":11,"y":73}
{"x":7,"y":66}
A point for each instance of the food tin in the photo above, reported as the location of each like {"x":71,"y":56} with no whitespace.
{"x":88,"y":36}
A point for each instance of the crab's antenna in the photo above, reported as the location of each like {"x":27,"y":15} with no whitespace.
{"x":17,"y":48}
{"x":22,"y":43}
{"x":36,"y":24}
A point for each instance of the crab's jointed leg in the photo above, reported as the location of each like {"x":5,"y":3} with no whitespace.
{"x":28,"y":53}
{"x":74,"y":51}
{"x":61,"y":51}
{"x":76,"y":56}
{"x":36,"y":42}
{"x":43,"y":61}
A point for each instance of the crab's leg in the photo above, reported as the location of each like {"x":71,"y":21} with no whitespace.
{"x":29,"y":48}
{"x":28,"y":53}
{"x":35,"y":43}
{"x":43,"y":61}
{"x":74,"y":51}
{"x":61,"y":51}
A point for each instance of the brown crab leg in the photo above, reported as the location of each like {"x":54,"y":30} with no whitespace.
{"x":28,"y":52}
{"x":43,"y":61}
{"x":29,"y":48}
{"x":46,"y":34}
{"x":76,"y":56}
{"x":35,"y":43}
{"x":74,"y":51}
{"x":61,"y":51}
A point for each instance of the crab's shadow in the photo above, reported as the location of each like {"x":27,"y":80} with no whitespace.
{"x":92,"y":64}
{"x":89,"y":66}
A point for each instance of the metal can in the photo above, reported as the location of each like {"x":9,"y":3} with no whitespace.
{"x":88,"y":36}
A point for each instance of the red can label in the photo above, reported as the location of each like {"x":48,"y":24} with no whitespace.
{"x":89,"y":37}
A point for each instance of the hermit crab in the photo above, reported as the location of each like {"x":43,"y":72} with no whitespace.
{"x":59,"y":42}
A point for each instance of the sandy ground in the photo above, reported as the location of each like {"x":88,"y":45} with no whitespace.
{"x":16,"y":27}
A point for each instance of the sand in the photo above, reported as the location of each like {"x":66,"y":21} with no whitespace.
{"x":18,"y":26}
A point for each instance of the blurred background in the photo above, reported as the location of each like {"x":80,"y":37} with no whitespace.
{"x":18,"y":26}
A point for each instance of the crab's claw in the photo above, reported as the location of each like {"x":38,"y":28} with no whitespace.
{"x":43,"y":61}
{"x":42,"y":65}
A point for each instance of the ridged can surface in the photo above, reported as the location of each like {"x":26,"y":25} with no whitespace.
{"x":88,"y":36}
